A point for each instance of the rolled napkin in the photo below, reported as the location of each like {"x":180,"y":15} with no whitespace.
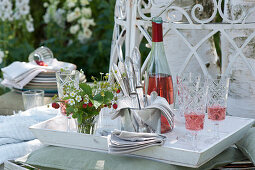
{"x":120,"y":142}
{"x":147,"y":119}
{"x":18,"y":74}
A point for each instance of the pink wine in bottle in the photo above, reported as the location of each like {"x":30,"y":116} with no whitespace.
{"x":160,"y":78}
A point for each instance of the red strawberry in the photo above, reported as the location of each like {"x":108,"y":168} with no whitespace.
{"x":55,"y":105}
{"x":105,"y":105}
{"x":118,"y":91}
{"x":90,"y":104}
{"x":115,"y":106}
{"x":40,"y":63}
{"x":37,"y":62}
{"x":84,"y":106}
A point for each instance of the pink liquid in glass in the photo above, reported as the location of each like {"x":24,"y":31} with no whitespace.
{"x":194,"y":121}
{"x":216,"y":112}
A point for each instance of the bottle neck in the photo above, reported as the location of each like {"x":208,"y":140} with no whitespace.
{"x":158,"y":63}
{"x":158,"y":47}
{"x":157,"y":33}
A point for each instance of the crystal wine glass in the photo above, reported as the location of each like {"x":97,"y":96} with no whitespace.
{"x":183,"y":81}
{"x":194,"y":107}
{"x":217,"y":102}
{"x":65,"y":79}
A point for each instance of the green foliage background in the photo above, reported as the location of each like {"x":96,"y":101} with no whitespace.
{"x":93,"y":56}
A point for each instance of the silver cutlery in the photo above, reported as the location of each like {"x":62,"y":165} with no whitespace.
{"x":132,"y":81}
{"x":118,"y":77}
{"x":137,"y":69}
{"x":146,"y":85}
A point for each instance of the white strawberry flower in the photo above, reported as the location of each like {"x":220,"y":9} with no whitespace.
{"x":78,"y":98}
{"x":72,"y":94}
{"x":86,"y":99}
{"x":71,"y":102}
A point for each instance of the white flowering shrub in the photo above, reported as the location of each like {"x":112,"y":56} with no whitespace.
{"x":72,"y":15}
{"x":15,"y":20}
{"x":65,"y":26}
{"x":16,"y":12}
{"x":1,"y":56}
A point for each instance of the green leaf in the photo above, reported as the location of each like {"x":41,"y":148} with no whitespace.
{"x":69,"y":109}
{"x":79,"y":118}
{"x":75,"y":115}
{"x":86,"y":89}
{"x":92,"y":113}
{"x":97,"y":103}
{"x":108,"y":96}
{"x":98,"y":98}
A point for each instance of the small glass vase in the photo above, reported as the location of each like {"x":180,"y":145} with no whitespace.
{"x":87,"y":126}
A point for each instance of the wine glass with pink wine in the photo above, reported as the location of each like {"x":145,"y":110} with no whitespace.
{"x":185,"y":80}
{"x":217,"y":102}
{"x":194,"y":107}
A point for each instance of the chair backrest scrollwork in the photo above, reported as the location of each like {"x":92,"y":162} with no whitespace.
{"x":189,"y":32}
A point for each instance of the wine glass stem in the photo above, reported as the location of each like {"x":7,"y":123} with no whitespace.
{"x":216,"y":130}
{"x":68,"y":124}
{"x":194,"y":140}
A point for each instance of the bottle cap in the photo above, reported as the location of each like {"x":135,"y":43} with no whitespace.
{"x":157,"y":33}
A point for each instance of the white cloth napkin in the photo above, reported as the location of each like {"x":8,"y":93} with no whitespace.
{"x":18,"y":74}
{"x":157,"y":103}
{"x":16,"y":139}
{"x":120,"y":142}
{"x":16,"y":150}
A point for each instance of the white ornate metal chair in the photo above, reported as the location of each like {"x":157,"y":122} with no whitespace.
{"x":188,"y":40}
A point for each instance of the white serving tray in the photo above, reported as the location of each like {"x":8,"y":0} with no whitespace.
{"x":176,"y":150}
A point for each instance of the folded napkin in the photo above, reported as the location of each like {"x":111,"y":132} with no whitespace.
{"x":16,"y":150}
{"x":16,"y":139}
{"x":148,"y":117}
{"x":126,"y":142}
{"x":18,"y":74}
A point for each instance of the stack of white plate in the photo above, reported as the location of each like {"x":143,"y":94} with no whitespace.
{"x":45,"y":81}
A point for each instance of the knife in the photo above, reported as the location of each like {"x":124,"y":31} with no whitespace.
{"x":122,"y":69}
{"x":132,"y":81}
{"x":146,"y":85}
{"x":123,"y":73}
{"x":137,"y":69}
{"x":130,"y":74}
{"x":117,"y":75}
